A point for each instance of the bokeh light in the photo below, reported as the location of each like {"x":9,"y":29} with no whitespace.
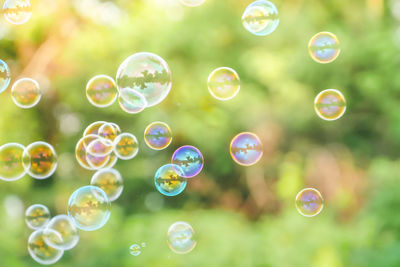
{"x":17,"y":11}
{"x":246,"y":149}
{"x":260,"y":18}
{"x":40,"y":251}
{"x":169,"y":181}
{"x":309,"y":202}
{"x":158,"y":135}
{"x":180,"y":238}
{"x":330,"y":104}
{"x":223,"y":83}
{"x":324,"y":47}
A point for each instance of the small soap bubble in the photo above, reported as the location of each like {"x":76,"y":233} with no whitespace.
{"x":131,"y":101}
{"x":135,"y":250}
{"x":147,"y":74}
{"x":109,"y":131}
{"x":158,"y":135}
{"x":246,"y":149}
{"x":192,"y":3}
{"x":224,"y":83}
{"x":61,"y":233}
{"x":5,"y":76}
{"x":100,"y":147}
{"x":169,"y":181}
{"x":330,"y":104}
{"x":11,"y":166}
{"x":40,"y":160}
{"x":180,"y":238}
{"x":26,"y":93}
{"x":101,"y":91}
{"x":260,"y":18}
{"x":89,"y":208}
{"x":309,"y":202}
{"x":40,"y":251}
{"x":110,"y":181}
{"x":126,"y":146}
{"x":17,"y":11}
{"x":324,"y":47}
{"x":37,"y":216}
{"x":93,"y":128}
{"x":189,"y":159}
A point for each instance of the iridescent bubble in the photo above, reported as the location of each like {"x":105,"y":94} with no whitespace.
{"x":17,"y":11}
{"x":246,"y":149}
{"x":192,"y":3}
{"x":135,"y":250}
{"x":61,"y":233}
{"x":97,"y":162}
{"x":223,"y":83}
{"x":40,"y":251}
{"x":100,"y":147}
{"x":146,"y":73}
{"x":80,"y":150}
{"x":126,"y":146}
{"x":180,"y":238}
{"x":40,"y":160}
{"x":93,"y":128}
{"x":169,"y":181}
{"x":260,"y":18}
{"x":110,"y":181}
{"x":101,"y":91}
{"x":330,"y":104}
{"x":189,"y":159}
{"x":11,"y":166}
{"x":157,"y":135}
{"x":26,"y":93}
{"x":324,"y":47}
{"x":109,"y":131}
{"x":37,"y":216}
{"x":309,"y":202}
{"x":111,"y":161}
{"x":131,"y":101}
{"x":89,"y":208}
{"x":5,"y":76}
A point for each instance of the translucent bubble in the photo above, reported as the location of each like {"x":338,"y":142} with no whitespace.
{"x":97,"y":162}
{"x":135,"y":250}
{"x":168,"y":180}
{"x":181,"y":238}
{"x":246,"y":149}
{"x":17,"y":11}
{"x":192,"y":3}
{"x":89,"y":208}
{"x":126,"y":146}
{"x":309,"y":202}
{"x":80,"y":150}
{"x":5,"y":76}
{"x":40,"y":160}
{"x":330,"y":104}
{"x":109,"y":131}
{"x":189,"y":159}
{"x":100,"y":147}
{"x":148,"y":74}
{"x":93,"y":128}
{"x":101,"y":91}
{"x":260,"y":18}
{"x":223,"y":83}
{"x":61,"y":233}
{"x":158,"y":135}
{"x":110,"y":181}
{"x":26,"y":93}
{"x":40,"y":251}
{"x":131,"y":101}
{"x":324,"y":47}
{"x":111,"y":161}
{"x":11,"y":166}
{"x":37,"y":216}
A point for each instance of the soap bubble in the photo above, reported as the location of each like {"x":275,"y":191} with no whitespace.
{"x":109,"y":131}
{"x":324,"y":47}
{"x":100,"y":147}
{"x":110,"y":181}
{"x":126,"y":146}
{"x":80,"y":150}
{"x":260,"y":18}
{"x":40,"y":251}
{"x":37,"y":216}
{"x":5,"y":76}
{"x":158,"y":135}
{"x":246,"y":149}
{"x":61,"y":233}
{"x":11,"y":167}
{"x":17,"y":11}
{"x":101,"y":91}
{"x":189,"y":159}
{"x":168,"y":180}
{"x":111,"y":161}
{"x":26,"y":93}
{"x":131,"y":101}
{"x":97,"y":162}
{"x":192,"y":3}
{"x":135,"y":250}
{"x":309,"y":202}
{"x":93,"y":128}
{"x":40,"y":160}
{"x":146,"y":73}
{"x":330,"y":104}
{"x":223,"y":83}
{"x":181,"y":238}
{"x":89,"y":208}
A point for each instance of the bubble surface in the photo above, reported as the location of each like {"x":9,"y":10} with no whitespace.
{"x":126,"y":146}
{"x":37,"y":216}
{"x":330,"y":104}
{"x":260,"y":18}
{"x":26,"y":93}
{"x":89,"y":208}
{"x":224,"y":83}
{"x":40,"y":251}
{"x":246,"y":149}
{"x":17,"y":11}
{"x":131,"y":101}
{"x":169,"y":181}
{"x":309,"y":202}
{"x":61,"y":233}
{"x":100,"y":147}
{"x":5,"y":76}
{"x":110,"y":181}
{"x":40,"y":160}
{"x":94,"y":128}
{"x":189,"y":159}
{"x":192,"y":3}
{"x":80,"y":150}
{"x":135,"y":250}
{"x":324,"y":47}
{"x":148,"y":74}
{"x":109,"y":131}
{"x":158,"y":135}
{"x":101,"y":91}
{"x":180,"y":238}
{"x":11,"y":166}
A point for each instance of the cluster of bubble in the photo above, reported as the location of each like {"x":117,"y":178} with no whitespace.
{"x":39,"y":160}
{"x":17,"y":11}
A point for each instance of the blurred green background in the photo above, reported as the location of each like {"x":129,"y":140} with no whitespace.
{"x":243,"y":216}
